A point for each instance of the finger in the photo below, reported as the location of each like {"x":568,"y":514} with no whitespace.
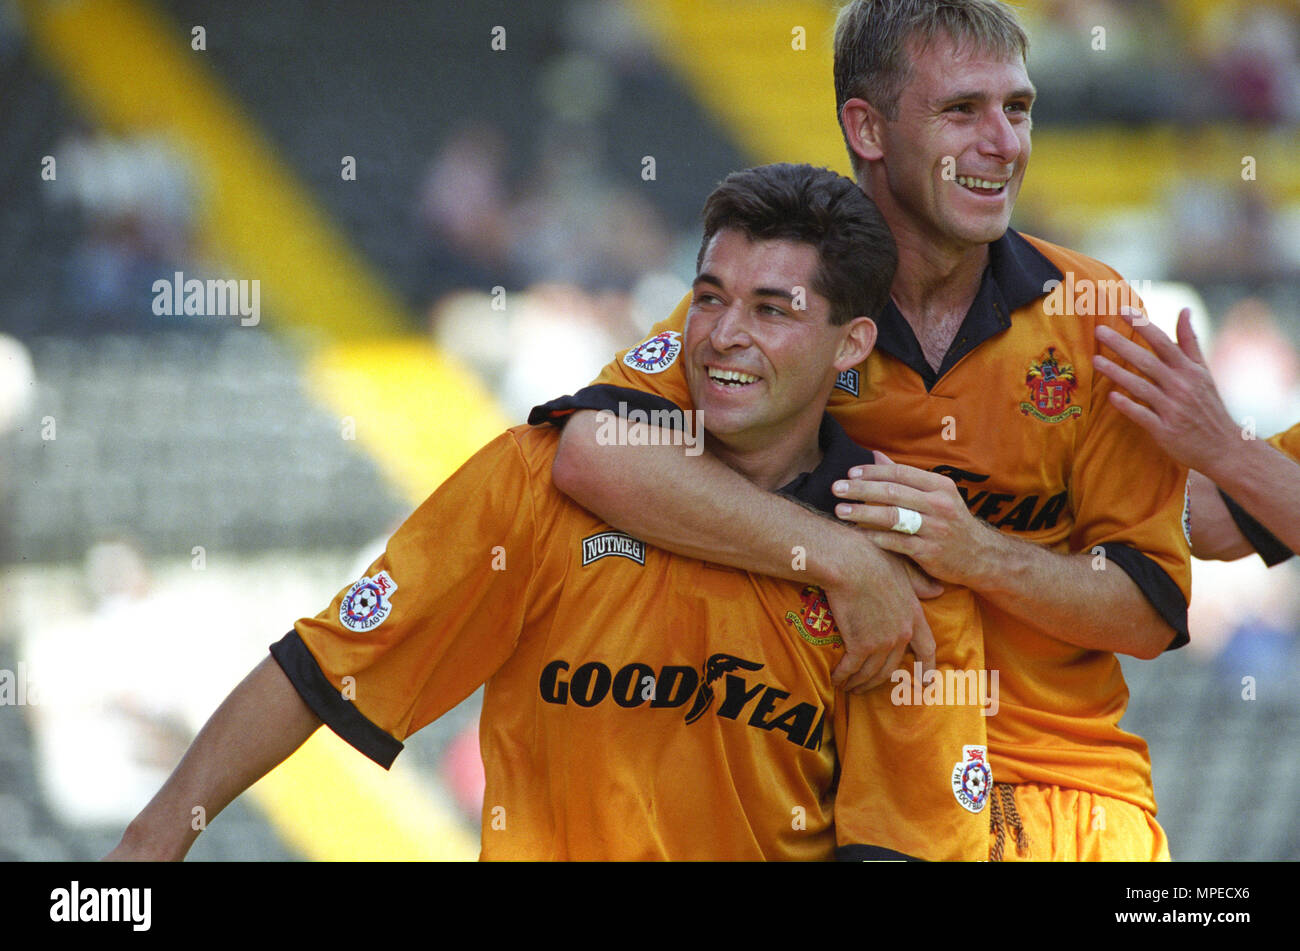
{"x":1143,"y":389}
{"x":881,"y":459}
{"x":846,"y":670}
{"x":1155,"y":367}
{"x":1138,"y":413}
{"x":923,"y":586}
{"x":878,"y":517}
{"x":886,"y":672}
{"x":868,"y":668}
{"x":923,"y":645}
{"x":1187,"y":337}
{"x":896,"y":542}
{"x":893,"y":473}
{"x":879,"y":492}
{"x":1165,"y":348}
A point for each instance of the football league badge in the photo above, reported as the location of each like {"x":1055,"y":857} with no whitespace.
{"x":972,"y":779}
{"x":656,"y":354}
{"x":368,"y":603}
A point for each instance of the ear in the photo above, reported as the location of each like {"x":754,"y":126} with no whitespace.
{"x":858,"y":341}
{"x":863,"y":127}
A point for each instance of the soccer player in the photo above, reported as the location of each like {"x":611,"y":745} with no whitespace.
{"x":1244,"y":493}
{"x":1011,"y":472}
{"x":639,"y":705}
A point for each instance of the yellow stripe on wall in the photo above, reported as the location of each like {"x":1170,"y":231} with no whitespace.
{"x":419,"y":414}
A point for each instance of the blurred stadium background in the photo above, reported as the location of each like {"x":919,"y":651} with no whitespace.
{"x":176,"y":490}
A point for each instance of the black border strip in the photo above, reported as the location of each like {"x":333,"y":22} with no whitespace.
{"x":1154,"y":582}
{"x":872,"y":853}
{"x":339,"y":714}
{"x":1261,"y":539}
{"x":604,"y":396}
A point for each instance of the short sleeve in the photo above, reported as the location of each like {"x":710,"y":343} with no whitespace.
{"x":654,"y":365}
{"x":1129,"y":500}
{"x":433,"y":618}
{"x":1269,"y":547}
{"x":1288,"y":442}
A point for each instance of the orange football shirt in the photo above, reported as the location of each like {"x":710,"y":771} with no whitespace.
{"x":639,"y":705}
{"x":1017,"y":418}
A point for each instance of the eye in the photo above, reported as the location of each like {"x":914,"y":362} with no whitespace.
{"x":771,"y":310}
{"x":964,"y":108}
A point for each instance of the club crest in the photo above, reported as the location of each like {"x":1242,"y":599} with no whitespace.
{"x":814,"y":622}
{"x":1051,"y":389}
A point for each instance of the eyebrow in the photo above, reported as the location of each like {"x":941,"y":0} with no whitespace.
{"x":974,"y":95}
{"x":707,"y":278}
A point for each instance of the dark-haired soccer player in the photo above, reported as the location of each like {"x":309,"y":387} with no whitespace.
{"x":639,"y":704}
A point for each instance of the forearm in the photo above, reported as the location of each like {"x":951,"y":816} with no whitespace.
{"x":1263,"y":481}
{"x":698,"y":507}
{"x":1214,"y":534}
{"x":257,"y":727}
{"x":1082,"y":599}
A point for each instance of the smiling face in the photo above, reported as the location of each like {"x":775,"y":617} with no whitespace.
{"x":948,"y":170}
{"x":759,"y":368}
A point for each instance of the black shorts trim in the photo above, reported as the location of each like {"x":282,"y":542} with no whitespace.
{"x":1154,"y":582}
{"x":339,"y":714}
{"x":1261,"y":539}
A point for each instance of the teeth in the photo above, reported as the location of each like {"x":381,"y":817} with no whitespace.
{"x":731,"y":376}
{"x":969,"y":182}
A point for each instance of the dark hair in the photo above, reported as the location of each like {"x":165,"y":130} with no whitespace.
{"x":855,"y":249}
{"x":872,"y":60}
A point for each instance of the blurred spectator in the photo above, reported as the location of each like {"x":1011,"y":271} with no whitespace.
{"x":1253,"y":55}
{"x":17,"y":384}
{"x":465,"y":213}
{"x":1101,"y":60}
{"x":137,"y":195}
{"x":1255,"y":368}
{"x":110,"y":721}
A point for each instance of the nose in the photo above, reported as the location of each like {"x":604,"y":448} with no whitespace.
{"x":1000,"y":139}
{"x":731,"y":329}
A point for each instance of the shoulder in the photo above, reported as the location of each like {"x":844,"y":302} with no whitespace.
{"x":1068,"y":260}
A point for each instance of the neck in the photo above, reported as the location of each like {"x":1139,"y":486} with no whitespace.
{"x":934,"y":281}
{"x":773,"y":464}
{"x":937,"y":277}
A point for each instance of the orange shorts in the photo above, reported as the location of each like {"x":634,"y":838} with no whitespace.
{"x":1069,"y":825}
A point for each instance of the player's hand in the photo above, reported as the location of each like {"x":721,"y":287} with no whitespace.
{"x":1172,"y":396}
{"x":879,"y":617}
{"x":918,"y":514}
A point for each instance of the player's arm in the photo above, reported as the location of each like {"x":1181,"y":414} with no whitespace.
{"x":1123,"y":580}
{"x":697,"y":506}
{"x":1090,"y":606}
{"x":1215,"y":535}
{"x":1174,"y":399}
{"x":255,"y":729}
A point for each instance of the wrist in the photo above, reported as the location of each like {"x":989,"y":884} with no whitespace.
{"x":992,"y":562}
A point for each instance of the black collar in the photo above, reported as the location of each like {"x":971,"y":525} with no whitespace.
{"x":1014,"y":277}
{"x":839,"y":454}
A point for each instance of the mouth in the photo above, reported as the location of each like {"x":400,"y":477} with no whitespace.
{"x":731,"y":379}
{"x":983,"y":186}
